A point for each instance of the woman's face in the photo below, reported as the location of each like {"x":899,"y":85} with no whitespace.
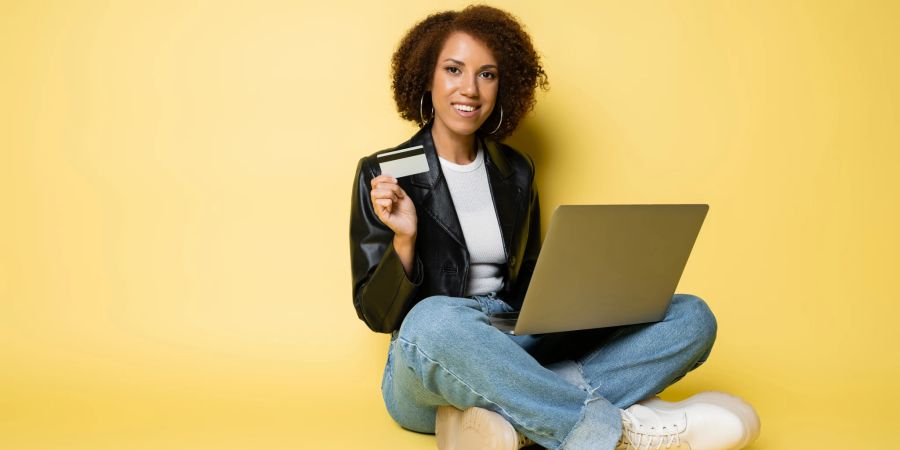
{"x":464,"y":86}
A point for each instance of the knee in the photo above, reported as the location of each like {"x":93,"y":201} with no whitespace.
{"x":697,"y":319}
{"x":429,"y":319}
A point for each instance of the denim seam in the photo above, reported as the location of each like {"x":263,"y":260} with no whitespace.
{"x":390,"y":363}
{"x":481,"y":305}
{"x":521,"y":423}
{"x":584,"y":377}
{"x":596,"y":352}
{"x":389,"y":369}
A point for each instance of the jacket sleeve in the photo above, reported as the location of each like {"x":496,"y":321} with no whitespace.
{"x":381,"y":288}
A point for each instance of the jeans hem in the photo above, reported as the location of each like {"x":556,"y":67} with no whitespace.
{"x":600,"y":426}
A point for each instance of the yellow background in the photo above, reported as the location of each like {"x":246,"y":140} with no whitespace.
{"x":175,"y":181}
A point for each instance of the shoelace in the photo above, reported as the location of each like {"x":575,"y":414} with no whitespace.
{"x":635,"y":439}
{"x":524,"y":441}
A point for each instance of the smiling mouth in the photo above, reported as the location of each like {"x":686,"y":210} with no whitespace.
{"x":466,"y":108}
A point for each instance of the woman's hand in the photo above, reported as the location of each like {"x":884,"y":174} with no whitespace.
{"x":393,"y":207}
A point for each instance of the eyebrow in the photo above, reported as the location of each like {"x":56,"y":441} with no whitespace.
{"x":486,"y":66}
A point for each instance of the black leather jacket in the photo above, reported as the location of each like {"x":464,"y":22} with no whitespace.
{"x":382,"y":292}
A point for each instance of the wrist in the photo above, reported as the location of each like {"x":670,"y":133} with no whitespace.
{"x":405,"y":239}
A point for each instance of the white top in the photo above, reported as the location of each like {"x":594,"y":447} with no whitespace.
{"x":471,"y":196}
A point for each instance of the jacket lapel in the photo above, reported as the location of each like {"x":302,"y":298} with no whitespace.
{"x":506,"y":195}
{"x":433,"y":193}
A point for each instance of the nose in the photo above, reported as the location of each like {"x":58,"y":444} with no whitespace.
{"x":469,"y":87}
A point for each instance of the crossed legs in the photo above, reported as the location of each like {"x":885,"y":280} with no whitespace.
{"x":562,"y":390}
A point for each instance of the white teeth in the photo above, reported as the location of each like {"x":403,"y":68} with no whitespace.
{"x":464,"y":108}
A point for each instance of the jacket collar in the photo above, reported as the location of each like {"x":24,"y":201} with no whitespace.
{"x":434,"y":194}
{"x":493,"y":158}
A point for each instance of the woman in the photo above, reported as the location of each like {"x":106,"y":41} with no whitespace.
{"x":434,"y":253}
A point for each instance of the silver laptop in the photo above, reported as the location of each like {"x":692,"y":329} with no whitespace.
{"x":606,"y":265}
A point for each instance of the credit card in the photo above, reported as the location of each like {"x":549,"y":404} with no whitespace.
{"x":403,"y":162}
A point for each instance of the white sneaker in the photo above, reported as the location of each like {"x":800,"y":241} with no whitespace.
{"x":706,"y":421}
{"x":476,"y":429}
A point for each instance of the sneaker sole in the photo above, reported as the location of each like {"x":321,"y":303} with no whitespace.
{"x":734,"y":403}
{"x":473,"y":429}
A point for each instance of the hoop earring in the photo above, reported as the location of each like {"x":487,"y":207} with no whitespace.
{"x":421,"y":114}
{"x":500,"y":122}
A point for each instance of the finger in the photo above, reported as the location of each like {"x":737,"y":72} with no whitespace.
{"x":382,"y":213}
{"x":384,"y":193}
{"x":393,"y":187}
{"x":383,"y":179}
{"x":386,"y":210}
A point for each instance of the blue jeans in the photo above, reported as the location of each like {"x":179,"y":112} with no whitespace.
{"x":562,"y":390}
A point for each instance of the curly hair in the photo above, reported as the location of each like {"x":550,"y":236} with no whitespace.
{"x":412,"y":64}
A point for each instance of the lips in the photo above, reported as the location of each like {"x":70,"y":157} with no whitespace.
{"x":465,"y":107}
{"x":466,"y":110}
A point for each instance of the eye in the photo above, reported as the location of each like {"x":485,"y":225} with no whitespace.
{"x":489,"y":75}
{"x":453,"y":69}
